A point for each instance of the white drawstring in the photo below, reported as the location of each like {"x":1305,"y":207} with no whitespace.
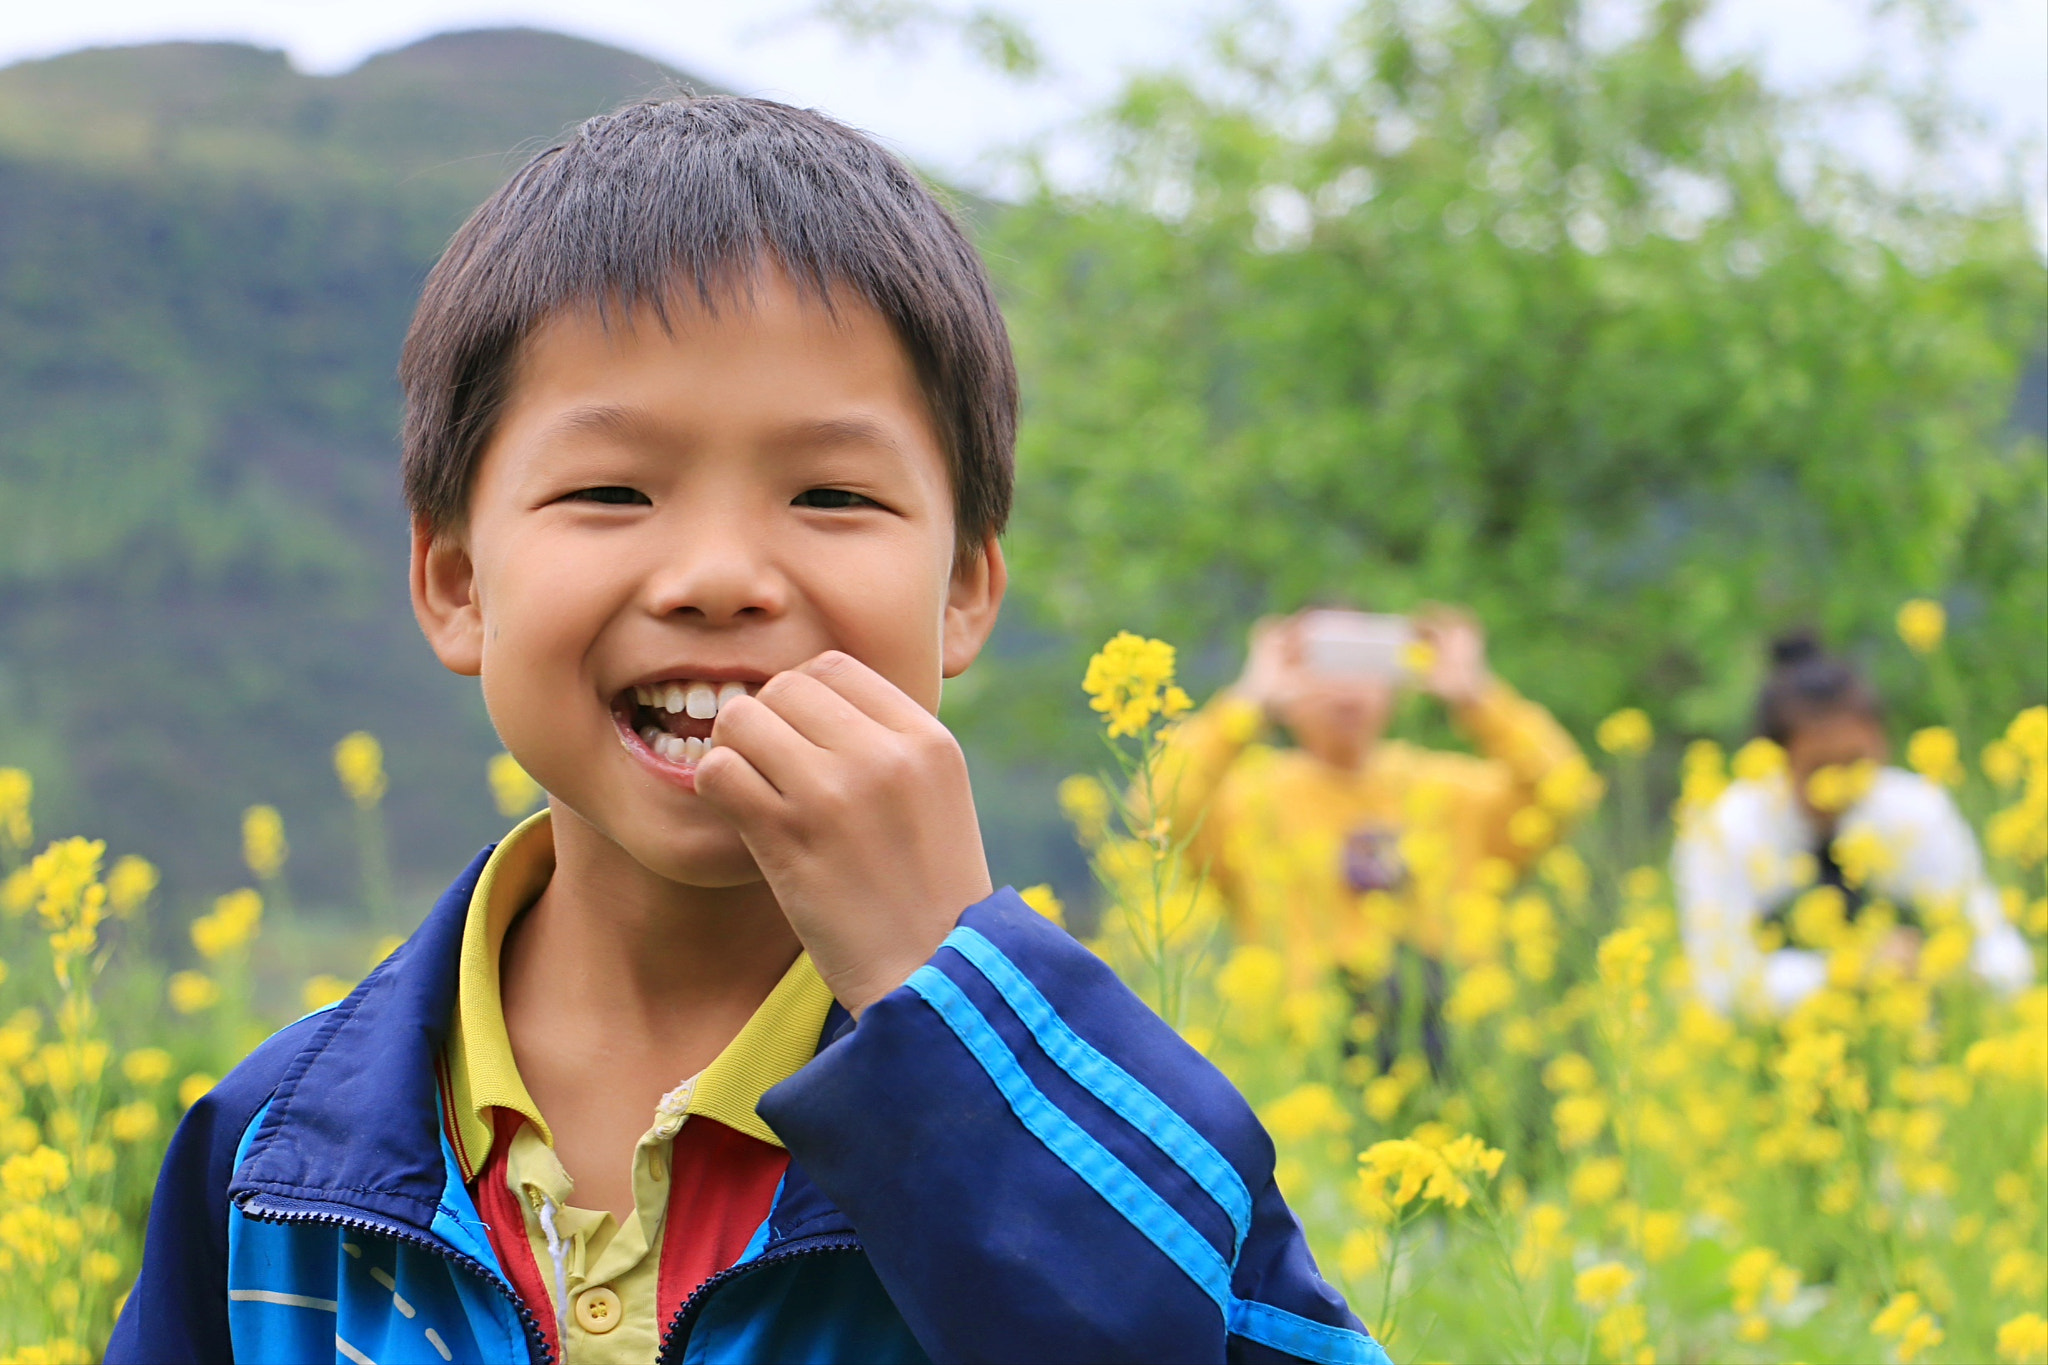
{"x":558,"y":1252}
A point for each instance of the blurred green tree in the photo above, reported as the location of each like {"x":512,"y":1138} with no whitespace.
{"x":1471,"y":306}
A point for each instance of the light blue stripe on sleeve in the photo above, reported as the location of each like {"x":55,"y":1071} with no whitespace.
{"x":1298,"y":1336}
{"x":1131,"y":1197}
{"x":1110,"y":1083}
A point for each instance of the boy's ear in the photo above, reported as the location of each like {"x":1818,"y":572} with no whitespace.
{"x":444,"y":599}
{"x":979,"y":581}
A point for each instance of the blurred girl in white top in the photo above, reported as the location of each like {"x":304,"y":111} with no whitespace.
{"x":1742,"y":864}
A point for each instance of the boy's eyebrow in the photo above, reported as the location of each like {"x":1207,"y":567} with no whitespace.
{"x":606,"y":419}
{"x":834,"y":431}
{"x":612,"y":419}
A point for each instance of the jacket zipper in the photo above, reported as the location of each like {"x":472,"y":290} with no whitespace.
{"x":536,"y":1342}
{"x":678,"y":1326}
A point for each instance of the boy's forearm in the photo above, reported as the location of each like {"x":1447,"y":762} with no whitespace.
{"x":1039,"y":1168}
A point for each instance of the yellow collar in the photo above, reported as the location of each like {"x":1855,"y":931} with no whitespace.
{"x":781,"y":1036}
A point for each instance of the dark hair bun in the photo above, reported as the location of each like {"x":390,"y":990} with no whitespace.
{"x":1793,"y":648}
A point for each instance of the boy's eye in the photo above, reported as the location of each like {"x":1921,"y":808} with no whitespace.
{"x":613,"y":495}
{"x":831,"y":498}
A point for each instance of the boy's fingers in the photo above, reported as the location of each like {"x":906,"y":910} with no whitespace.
{"x":734,"y":786}
{"x":765,"y":740}
{"x":814,"y":710}
{"x":878,"y":698}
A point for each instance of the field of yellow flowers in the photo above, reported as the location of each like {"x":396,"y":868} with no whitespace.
{"x":1600,"y":1169}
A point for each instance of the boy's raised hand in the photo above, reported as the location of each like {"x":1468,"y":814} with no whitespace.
{"x":854,"y":801}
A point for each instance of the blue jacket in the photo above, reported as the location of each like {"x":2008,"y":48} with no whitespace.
{"x":1011,"y":1158}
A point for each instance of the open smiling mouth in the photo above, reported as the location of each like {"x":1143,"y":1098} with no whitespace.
{"x":673,"y":718}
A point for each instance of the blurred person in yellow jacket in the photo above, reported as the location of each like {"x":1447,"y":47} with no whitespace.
{"x":1348,"y":845}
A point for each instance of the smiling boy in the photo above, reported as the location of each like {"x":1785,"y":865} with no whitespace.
{"x":732,"y":1053}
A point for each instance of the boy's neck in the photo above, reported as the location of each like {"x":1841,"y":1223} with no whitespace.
{"x":656,"y":967}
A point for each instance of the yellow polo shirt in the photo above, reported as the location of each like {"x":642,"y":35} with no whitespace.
{"x":602,"y":1275}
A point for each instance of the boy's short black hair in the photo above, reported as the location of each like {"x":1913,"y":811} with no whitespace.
{"x":693,"y":193}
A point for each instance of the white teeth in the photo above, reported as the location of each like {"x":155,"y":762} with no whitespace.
{"x":643,"y":696}
{"x":672,"y":698}
{"x":694,"y":749}
{"x":728,"y":691}
{"x":653,"y":736}
{"x":700,"y":701}
{"x":671,"y":748}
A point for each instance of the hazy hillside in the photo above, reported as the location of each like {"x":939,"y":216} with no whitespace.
{"x":207,"y":260}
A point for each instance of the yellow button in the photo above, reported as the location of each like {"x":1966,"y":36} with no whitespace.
{"x":597,"y":1310}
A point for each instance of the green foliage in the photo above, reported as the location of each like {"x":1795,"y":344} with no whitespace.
{"x":1473,"y":308}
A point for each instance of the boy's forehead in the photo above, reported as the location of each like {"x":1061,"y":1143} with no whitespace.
{"x":789,"y":365}
{"x":742,"y":324}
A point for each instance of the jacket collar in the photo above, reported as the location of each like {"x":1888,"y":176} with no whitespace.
{"x":356,"y":1119}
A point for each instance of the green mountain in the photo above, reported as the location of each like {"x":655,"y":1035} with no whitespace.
{"x":207,"y":262}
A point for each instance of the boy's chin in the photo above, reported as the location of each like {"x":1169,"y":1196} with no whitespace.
{"x":712,"y":859}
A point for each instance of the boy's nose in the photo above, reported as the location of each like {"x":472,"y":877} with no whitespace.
{"x":717,"y":571}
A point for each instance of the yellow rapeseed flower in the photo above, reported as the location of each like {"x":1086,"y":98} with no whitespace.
{"x":1130,"y":681}
{"x":1086,"y":804}
{"x":1922,"y":623}
{"x":1758,"y":760}
{"x":1250,"y":980}
{"x":134,"y":1122}
{"x":1748,"y":1276}
{"x":146,"y":1065}
{"x":1482,"y":991}
{"x":1626,"y":733}
{"x":2029,"y":734}
{"x":1414,"y":1167}
{"x":1361,"y":1253}
{"x":1570,"y":789}
{"x":191,"y":992}
{"x":1919,"y":1334}
{"x":1042,"y":899}
{"x":1596,"y":1181}
{"x":1570,"y":1073}
{"x":1836,"y":787}
{"x":130,"y":882}
{"x":1565,"y":870}
{"x":1935,"y":755}
{"x":323,"y":990}
{"x":2003,"y":763}
{"x":359,"y":763}
{"x":1580,"y":1120}
{"x":2023,"y":1340}
{"x":1624,"y":958}
{"x":17,"y":791}
{"x":1663,"y":1235}
{"x":515,"y":793}
{"x":1384,"y":1096}
{"x":29,"y":1176}
{"x":1621,"y":1332}
{"x":1309,"y":1110}
{"x":1599,"y":1286}
{"x":236,"y":919}
{"x":1893,"y":1317}
{"x":263,"y":844}
{"x":193,"y":1089}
